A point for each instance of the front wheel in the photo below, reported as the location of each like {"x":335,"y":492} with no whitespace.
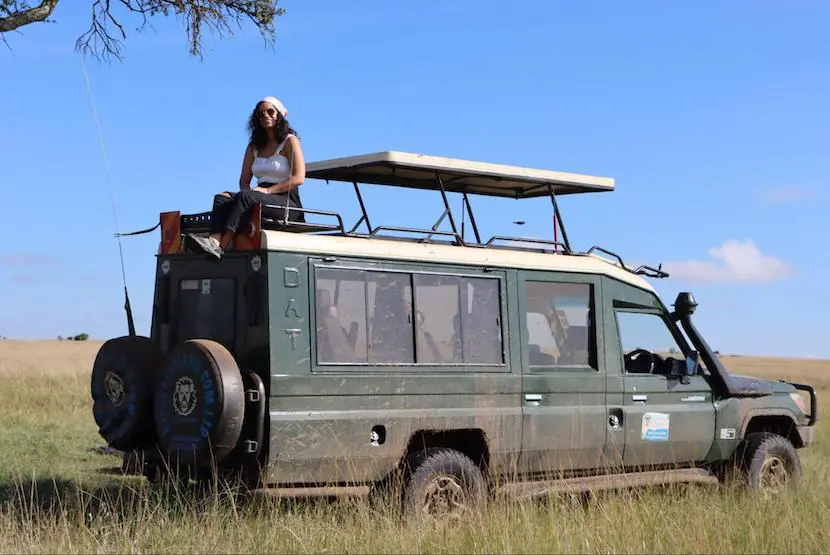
{"x":445,"y":483}
{"x":770,"y":463}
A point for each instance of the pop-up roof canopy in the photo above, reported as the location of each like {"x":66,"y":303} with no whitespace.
{"x":419,"y":171}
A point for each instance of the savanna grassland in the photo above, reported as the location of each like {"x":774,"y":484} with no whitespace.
{"x":57,"y":496}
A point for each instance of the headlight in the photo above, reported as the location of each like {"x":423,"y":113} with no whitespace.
{"x":799,"y":400}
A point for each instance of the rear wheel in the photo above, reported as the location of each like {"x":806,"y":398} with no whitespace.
{"x":123,"y":376}
{"x":199,"y":405}
{"x":444,"y":483}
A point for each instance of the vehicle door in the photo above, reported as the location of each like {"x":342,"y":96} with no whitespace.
{"x":665,"y":421}
{"x":563,"y":383}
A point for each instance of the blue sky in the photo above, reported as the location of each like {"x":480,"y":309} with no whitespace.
{"x":712,"y":117}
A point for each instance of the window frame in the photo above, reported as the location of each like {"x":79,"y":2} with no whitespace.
{"x":410,"y":270}
{"x":679,"y":339}
{"x":595,"y":359}
{"x":178,"y":310}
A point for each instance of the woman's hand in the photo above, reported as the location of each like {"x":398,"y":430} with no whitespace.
{"x":266,"y":190}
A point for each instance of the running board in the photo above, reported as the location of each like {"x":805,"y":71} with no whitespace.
{"x":609,"y":481}
{"x":322,"y":491}
{"x":530,"y":489}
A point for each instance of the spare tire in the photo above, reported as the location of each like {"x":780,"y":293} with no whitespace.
{"x":123,"y":377}
{"x":199,"y":404}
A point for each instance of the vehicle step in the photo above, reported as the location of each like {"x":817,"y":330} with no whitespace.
{"x":541,"y":488}
{"x":322,"y":491}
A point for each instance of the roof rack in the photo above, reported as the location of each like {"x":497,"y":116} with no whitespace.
{"x":640,"y":270}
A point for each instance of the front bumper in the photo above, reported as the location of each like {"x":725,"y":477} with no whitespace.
{"x":807,"y":432}
{"x":813,"y":416}
{"x":807,"y":435}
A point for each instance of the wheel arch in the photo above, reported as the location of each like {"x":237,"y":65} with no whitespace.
{"x":777,"y":421}
{"x":470,"y":441}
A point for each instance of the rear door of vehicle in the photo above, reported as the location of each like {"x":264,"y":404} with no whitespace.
{"x":196,"y":298}
{"x":563,"y":381}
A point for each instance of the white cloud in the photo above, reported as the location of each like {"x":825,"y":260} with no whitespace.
{"x":734,"y":261}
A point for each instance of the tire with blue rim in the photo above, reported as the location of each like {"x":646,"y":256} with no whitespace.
{"x":199,"y":404}
{"x":123,"y":377}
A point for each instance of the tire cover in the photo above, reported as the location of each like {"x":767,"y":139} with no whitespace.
{"x":123,"y":376}
{"x":199,"y":403}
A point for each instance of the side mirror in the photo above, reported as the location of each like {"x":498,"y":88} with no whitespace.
{"x":692,"y":366}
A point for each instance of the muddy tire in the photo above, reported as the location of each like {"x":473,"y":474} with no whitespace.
{"x":199,"y":404}
{"x":443,"y":483}
{"x":123,"y":377}
{"x":770,"y":463}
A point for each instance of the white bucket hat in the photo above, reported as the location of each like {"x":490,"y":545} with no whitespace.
{"x":277,"y":104}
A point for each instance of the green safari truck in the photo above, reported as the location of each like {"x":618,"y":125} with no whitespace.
{"x":429,"y":364}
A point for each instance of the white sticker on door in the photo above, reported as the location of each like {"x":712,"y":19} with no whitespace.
{"x":655,"y":426}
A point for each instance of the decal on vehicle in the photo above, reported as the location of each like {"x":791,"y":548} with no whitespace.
{"x":655,"y":426}
{"x":184,"y":396}
{"x":114,"y":387}
{"x":727,"y":433}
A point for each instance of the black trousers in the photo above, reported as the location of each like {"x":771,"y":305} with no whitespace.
{"x":234,"y":213}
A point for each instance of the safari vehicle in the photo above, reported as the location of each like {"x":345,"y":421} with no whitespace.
{"x":318,"y":359}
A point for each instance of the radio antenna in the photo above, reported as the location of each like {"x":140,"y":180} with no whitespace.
{"x":130,"y":322}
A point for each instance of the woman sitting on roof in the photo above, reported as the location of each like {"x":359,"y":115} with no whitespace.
{"x":274,"y":156}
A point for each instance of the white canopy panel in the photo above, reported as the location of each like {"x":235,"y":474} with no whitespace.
{"x":420,"y":171}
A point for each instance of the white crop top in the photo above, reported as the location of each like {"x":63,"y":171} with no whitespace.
{"x":272,"y":169}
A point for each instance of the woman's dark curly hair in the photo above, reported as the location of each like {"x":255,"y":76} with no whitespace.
{"x":259,"y":135}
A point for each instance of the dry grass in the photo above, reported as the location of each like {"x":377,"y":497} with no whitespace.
{"x":47,"y":358}
{"x":47,"y":430}
{"x":815,"y":372}
{"x":59,"y":358}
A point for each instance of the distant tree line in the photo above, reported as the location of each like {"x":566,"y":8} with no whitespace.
{"x":79,"y":337}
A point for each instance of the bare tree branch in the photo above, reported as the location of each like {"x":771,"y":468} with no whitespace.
{"x":104,"y":37}
{"x":218,"y":16}
{"x":14,"y":14}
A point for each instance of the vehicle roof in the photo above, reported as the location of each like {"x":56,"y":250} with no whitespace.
{"x":378,"y":248}
{"x":418,"y":171}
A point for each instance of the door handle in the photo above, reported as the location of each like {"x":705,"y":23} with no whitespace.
{"x":639,"y":398}
{"x":534,"y":398}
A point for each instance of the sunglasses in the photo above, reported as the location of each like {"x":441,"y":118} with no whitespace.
{"x":268,"y":111}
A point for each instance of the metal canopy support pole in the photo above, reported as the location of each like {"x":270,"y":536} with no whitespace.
{"x":558,"y":218}
{"x":438,"y":223}
{"x":365,"y":217}
{"x":472,"y":218}
{"x":447,"y":209}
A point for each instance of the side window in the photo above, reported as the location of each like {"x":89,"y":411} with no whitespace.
{"x":376,"y":317}
{"x":363,"y":317}
{"x":458,"y":320}
{"x":560,"y":324}
{"x":341,"y":315}
{"x":390,"y":313}
{"x":646,"y":331}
